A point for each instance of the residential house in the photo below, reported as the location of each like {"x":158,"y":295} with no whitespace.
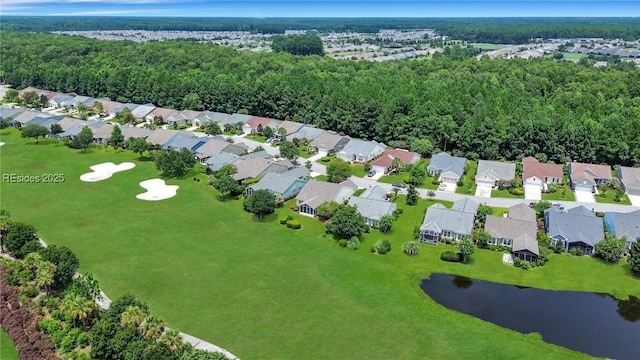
{"x":630,"y":179}
{"x":217,"y":161}
{"x":305,"y":132}
{"x":578,"y":228}
{"x":160,"y":136}
{"x":66,"y":123}
{"x":56,"y":101}
{"x":373,"y":205}
{"x":328,"y":142}
{"x":234,"y":121}
{"x":210,"y":148}
{"x":254,"y":123}
{"x":587,"y":177}
{"x":24,"y":117}
{"x":103,"y":134}
{"x":160,"y":113}
{"x":443,"y":223}
{"x":11,"y":114}
{"x":289,"y":127}
{"x":625,"y":225}
{"x":129,"y":131}
{"x":490,"y":172}
{"x":540,"y":175}
{"x":207,"y":116}
{"x":280,"y":184}
{"x":255,"y":168}
{"x":45,"y":120}
{"x":108,"y":105}
{"x":449,"y":169}
{"x":361,"y":151}
{"x":181,"y":141}
{"x":517,"y":231}
{"x":120,"y":108}
{"x":315,"y":192}
{"x":142,"y":111}
{"x":384,"y":162}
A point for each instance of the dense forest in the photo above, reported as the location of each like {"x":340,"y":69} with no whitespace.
{"x":298,"y":44}
{"x":495,"y":109}
{"x":490,"y":30}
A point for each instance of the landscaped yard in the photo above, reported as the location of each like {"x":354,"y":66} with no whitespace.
{"x":505,"y":194}
{"x":358,"y":170}
{"x":254,"y":137}
{"x":469,"y":187}
{"x":609,"y":197}
{"x":7,"y":350}
{"x":264,"y":291}
{"x":563,"y":193}
{"x":486,"y":46}
{"x":402,"y":176}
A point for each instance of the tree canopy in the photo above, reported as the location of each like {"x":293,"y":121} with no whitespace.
{"x":347,"y":223}
{"x":174,"y":164}
{"x":261,"y":202}
{"x":298,"y":44}
{"x":34,"y":131}
{"x":497,"y":109}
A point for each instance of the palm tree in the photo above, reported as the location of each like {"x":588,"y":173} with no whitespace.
{"x":431,"y":194}
{"x":78,"y":307}
{"x":151,"y":327}
{"x":33,"y":262}
{"x":44,"y":276}
{"x":411,"y":248}
{"x":396,"y":164}
{"x":132,"y":316}
{"x":172,"y":338}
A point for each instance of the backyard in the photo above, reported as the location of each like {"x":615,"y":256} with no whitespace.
{"x":469,"y":187}
{"x":216,"y":272}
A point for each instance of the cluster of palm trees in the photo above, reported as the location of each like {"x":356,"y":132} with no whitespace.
{"x":41,"y":270}
{"x":150,"y":326}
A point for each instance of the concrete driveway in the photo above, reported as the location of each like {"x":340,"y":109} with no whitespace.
{"x":635,"y":200}
{"x":450,"y":187}
{"x":584,"y":196}
{"x":483,"y":191}
{"x":532,"y":192}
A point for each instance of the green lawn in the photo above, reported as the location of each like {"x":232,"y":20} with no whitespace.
{"x":564,"y":193}
{"x":573,"y":56}
{"x":322,"y":178}
{"x":264,"y":291}
{"x":505,"y":194}
{"x":402,"y":176}
{"x":304,"y":152}
{"x":609,"y":198}
{"x":485,"y":46}
{"x":258,"y":138}
{"x":469,"y":186}
{"x":7,"y":350}
{"x":358,"y":170}
{"x":499,"y":211}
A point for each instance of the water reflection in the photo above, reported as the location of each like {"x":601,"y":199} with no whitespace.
{"x":597,"y":324}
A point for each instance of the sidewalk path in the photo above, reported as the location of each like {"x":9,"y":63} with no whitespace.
{"x":104,"y":302}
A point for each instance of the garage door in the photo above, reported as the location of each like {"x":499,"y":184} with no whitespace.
{"x":581,"y":187}
{"x":532,"y":192}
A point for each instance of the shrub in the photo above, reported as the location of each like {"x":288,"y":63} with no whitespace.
{"x":460,"y":183}
{"x":416,"y":232}
{"x":353,"y":243}
{"x":293,"y":224}
{"x":49,"y":325}
{"x":576,"y":251}
{"x":399,"y":210}
{"x":284,"y":219}
{"x":342,"y":242}
{"x":411,"y":248}
{"x":599,"y":214}
{"x":435,"y":182}
{"x":31,"y":292}
{"x":450,"y":256}
{"x":84,"y":339}
{"x":381,"y":247}
{"x":516,"y":191}
{"x":57,"y":314}
{"x":522,"y":264}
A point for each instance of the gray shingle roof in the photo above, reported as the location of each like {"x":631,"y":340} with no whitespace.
{"x":297,"y":172}
{"x":216,"y":161}
{"x":496,"y":170}
{"x":316,"y":192}
{"x":279,"y":183}
{"x":305,"y":132}
{"x":438,"y":218}
{"x":520,"y":226}
{"x":371,"y":208}
{"x":181,"y":141}
{"x":630,"y":177}
{"x":211,"y":148}
{"x":522,"y":212}
{"x":362,"y":147}
{"x":465,"y":205}
{"x":330,"y":141}
{"x":577,"y":225}
{"x":375,"y":193}
{"x":623,"y":224}
{"x":444,"y":162}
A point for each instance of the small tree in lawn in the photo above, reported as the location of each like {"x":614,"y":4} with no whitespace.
{"x":338,"y":170}
{"x":634,"y":257}
{"x":56,"y":129}
{"x":137,"y":145}
{"x":282,"y":132}
{"x":225,"y":184}
{"x":611,"y":249}
{"x":347,"y":223}
{"x":288,"y":150}
{"x":212,"y":128}
{"x":34,"y":131}
{"x":117,"y":139}
{"x":261,"y":202}
{"x":267,"y":132}
{"x":385,"y":223}
{"x":481,"y":238}
{"x":174,"y":164}
{"x":417,"y":175}
{"x":431,"y":194}
{"x":411,"y":248}
{"x":83,"y":139}
{"x":327,"y":209}
{"x":412,"y":195}
{"x":396,"y":164}
{"x":466,"y":248}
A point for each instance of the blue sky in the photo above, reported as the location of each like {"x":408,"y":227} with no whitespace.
{"x":312,"y":8}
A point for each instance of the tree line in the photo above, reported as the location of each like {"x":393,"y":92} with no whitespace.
{"x":491,"y":30}
{"x":492,"y":109}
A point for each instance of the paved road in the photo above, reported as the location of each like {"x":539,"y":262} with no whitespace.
{"x":497,"y":202}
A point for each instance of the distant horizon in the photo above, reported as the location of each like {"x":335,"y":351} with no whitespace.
{"x":256,"y":9}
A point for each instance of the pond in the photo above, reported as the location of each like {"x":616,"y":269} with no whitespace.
{"x":596,"y":324}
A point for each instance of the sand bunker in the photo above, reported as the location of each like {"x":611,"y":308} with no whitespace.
{"x":157,"y":190}
{"x":105,"y":170}
{"x":1,"y":143}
